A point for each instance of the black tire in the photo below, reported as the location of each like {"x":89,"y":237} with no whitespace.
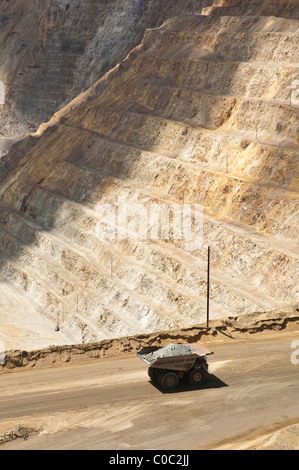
{"x":197,"y":376}
{"x":168,"y":380}
{"x":152,"y":373}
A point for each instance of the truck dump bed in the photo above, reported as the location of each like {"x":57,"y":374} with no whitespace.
{"x":179,"y":357}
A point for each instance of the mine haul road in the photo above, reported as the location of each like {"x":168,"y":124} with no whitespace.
{"x":111,"y":403}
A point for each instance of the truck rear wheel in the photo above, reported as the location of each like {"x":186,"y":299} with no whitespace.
{"x":197,"y":376}
{"x":168,"y":380}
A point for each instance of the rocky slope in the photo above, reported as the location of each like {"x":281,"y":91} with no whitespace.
{"x":199,"y":113}
{"x":283,"y":8}
{"x":53,"y":50}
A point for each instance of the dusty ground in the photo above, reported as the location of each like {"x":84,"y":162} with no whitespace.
{"x":251,"y":402}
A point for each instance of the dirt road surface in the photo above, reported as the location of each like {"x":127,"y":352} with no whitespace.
{"x":253,"y":393}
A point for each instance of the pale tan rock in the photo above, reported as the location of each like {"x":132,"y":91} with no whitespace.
{"x":198,"y":113}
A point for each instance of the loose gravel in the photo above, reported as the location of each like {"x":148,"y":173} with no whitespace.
{"x":167,"y":351}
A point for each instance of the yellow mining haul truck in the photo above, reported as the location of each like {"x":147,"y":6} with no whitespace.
{"x":169,"y":364}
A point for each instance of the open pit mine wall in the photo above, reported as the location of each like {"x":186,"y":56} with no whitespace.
{"x":52,"y":50}
{"x":200,"y":113}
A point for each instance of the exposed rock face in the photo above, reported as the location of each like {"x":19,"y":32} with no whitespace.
{"x":283,"y":8}
{"x":199,"y":113}
{"x":53,"y":50}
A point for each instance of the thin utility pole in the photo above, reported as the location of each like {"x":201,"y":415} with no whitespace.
{"x":208,"y":289}
{"x":57,"y":323}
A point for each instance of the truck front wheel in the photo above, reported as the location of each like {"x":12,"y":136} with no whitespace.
{"x":197,"y":376}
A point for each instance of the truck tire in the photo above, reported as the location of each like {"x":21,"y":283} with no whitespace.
{"x":168,"y":380}
{"x":197,"y":376}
